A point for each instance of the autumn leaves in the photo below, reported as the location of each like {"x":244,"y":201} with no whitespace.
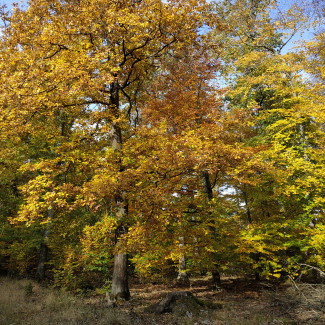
{"x":85,"y":74}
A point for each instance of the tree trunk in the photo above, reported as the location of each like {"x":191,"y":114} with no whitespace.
{"x":255,"y":256}
{"x":120,"y":286}
{"x":216,"y":279}
{"x":182,"y":278}
{"x":207,"y":185}
{"x":40,"y":272}
{"x":209,"y":192}
{"x":249,"y":216}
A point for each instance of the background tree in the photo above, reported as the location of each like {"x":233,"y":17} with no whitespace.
{"x":272,"y":85}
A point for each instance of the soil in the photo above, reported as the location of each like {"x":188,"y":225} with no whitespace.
{"x":239,"y":301}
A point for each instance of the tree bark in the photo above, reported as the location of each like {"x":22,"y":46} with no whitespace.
{"x":255,"y":256}
{"x":209,"y":192}
{"x":40,"y":272}
{"x":207,"y":185}
{"x":120,"y":286}
{"x":182,"y":277}
{"x":249,"y":216}
{"x":216,"y":279}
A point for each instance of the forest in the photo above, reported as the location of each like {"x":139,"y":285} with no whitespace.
{"x":159,"y":140}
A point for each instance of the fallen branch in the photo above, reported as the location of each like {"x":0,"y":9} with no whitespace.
{"x":311,"y":267}
{"x":297,"y":288}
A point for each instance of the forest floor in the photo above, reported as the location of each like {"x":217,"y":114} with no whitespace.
{"x":239,"y":302}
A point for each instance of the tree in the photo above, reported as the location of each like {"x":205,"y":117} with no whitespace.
{"x":184,"y":132}
{"x":72,"y":78}
{"x":272,"y":86}
{"x":116,"y":139}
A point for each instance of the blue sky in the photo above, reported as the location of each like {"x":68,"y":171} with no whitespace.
{"x":9,"y":2}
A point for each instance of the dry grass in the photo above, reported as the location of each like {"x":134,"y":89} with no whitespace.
{"x":26,"y":302}
{"x":243,"y":303}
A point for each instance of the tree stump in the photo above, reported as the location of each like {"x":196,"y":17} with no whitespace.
{"x":177,"y":302}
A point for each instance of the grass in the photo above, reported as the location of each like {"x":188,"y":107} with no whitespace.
{"x":26,"y":302}
{"x":243,"y":303}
